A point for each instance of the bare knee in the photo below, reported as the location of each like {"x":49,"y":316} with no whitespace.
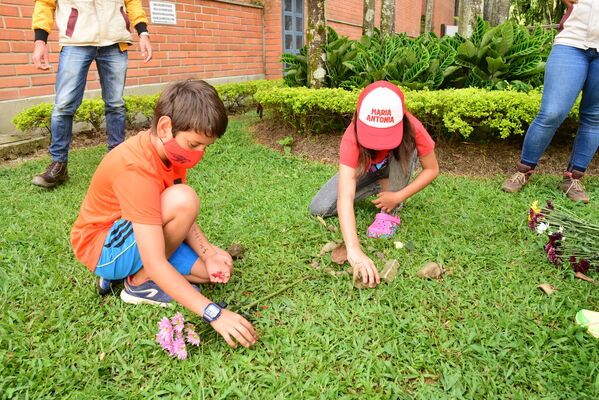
{"x":180,"y":201}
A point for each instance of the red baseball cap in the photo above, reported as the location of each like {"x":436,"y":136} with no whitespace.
{"x":380,"y":113}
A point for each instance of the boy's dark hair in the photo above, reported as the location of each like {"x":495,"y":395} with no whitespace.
{"x":192,"y":105}
{"x":403,"y":152}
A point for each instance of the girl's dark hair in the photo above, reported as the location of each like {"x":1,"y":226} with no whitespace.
{"x":403,"y":152}
{"x":192,"y":105}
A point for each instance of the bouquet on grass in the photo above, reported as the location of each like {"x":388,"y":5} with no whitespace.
{"x":173,"y":333}
{"x":571,"y":239}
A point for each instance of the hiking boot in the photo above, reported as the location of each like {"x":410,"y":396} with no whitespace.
{"x":55,"y":174}
{"x":573,"y":187}
{"x":517,"y":181}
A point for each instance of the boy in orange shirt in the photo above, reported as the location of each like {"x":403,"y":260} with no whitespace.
{"x":138,"y":219}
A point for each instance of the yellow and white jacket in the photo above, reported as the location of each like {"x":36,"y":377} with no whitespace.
{"x":580,"y":26}
{"x":89,"y":22}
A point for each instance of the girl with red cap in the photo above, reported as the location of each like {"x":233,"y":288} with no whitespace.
{"x":377,"y":156}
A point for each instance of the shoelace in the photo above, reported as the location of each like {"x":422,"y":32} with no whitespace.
{"x":575,"y":186}
{"x":54,"y":168}
{"x":519,"y":177}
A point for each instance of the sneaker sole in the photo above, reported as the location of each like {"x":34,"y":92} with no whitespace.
{"x":40,"y":182}
{"x":382,"y":235}
{"x":127,"y":298}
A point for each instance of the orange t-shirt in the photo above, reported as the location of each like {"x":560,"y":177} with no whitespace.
{"x":127,"y":184}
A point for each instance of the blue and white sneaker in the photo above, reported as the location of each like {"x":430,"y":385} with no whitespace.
{"x":146,"y":293}
{"x":105,"y":286}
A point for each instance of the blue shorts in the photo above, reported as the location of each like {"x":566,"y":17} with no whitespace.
{"x":120,"y":255}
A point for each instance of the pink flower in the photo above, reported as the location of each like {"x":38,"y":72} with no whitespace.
{"x":168,"y":347}
{"x":179,"y":349}
{"x":178,"y":322}
{"x":192,"y":336}
{"x":165,"y":323}
{"x":165,"y":333}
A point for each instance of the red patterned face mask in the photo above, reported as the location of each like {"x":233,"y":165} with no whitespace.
{"x":181,"y":157}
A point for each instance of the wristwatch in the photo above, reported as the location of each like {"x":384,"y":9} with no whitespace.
{"x":212,"y":312}
{"x":145,"y":33}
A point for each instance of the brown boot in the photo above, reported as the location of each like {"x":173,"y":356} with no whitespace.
{"x":517,"y":181}
{"x":573,"y":187}
{"x":55,"y":174}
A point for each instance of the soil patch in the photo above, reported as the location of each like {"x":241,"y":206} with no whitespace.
{"x":470,"y":159}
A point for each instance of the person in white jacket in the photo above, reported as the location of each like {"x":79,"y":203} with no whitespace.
{"x":572,"y":67}
{"x":89,"y":31}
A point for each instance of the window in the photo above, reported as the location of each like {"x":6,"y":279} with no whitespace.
{"x":293,"y":26}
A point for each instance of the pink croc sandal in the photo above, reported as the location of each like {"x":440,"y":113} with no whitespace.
{"x":384,"y":226}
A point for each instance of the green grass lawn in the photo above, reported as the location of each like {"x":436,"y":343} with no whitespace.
{"x":483,"y":332}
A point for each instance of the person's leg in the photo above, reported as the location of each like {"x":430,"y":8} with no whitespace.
{"x":112,"y":68}
{"x":565,"y":74}
{"x":73,"y":66}
{"x":586,"y":141}
{"x":386,"y":224}
{"x":180,"y":209}
{"x":325,"y":201}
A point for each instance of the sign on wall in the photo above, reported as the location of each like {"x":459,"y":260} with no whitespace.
{"x":163,"y":12}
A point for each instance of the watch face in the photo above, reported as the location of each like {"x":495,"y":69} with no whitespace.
{"x":211,"y":311}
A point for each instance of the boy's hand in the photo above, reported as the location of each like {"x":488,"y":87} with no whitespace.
{"x":364,"y":267}
{"x":232,"y":324}
{"x":387,"y":201}
{"x":219,"y":267}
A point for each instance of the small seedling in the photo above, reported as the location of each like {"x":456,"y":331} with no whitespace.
{"x":286,"y":142}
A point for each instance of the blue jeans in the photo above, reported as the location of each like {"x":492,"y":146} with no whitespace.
{"x":568,"y":71}
{"x":73,"y":66}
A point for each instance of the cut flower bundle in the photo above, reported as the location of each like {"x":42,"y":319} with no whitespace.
{"x":173,"y":333}
{"x":571,"y":239}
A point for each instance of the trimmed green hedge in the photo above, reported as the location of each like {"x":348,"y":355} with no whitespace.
{"x":236,"y":97}
{"x":310,"y":110}
{"x":456,"y":111}
{"x":239,"y":97}
{"x":462,"y":112}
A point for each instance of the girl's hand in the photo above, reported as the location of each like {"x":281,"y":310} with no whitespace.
{"x":364,"y":267}
{"x":387,"y":201}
